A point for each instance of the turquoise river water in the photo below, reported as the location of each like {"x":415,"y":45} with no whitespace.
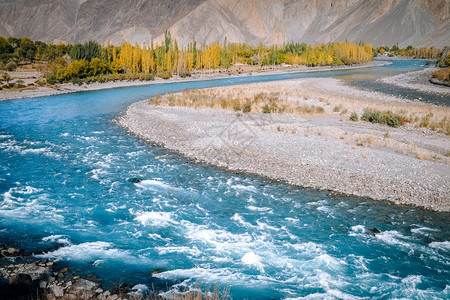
{"x":66,"y":195}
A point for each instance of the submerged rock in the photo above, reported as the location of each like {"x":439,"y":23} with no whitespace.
{"x":134,"y":180}
{"x":10,"y":251}
{"x":157,"y":270}
{"x":373,"y":231}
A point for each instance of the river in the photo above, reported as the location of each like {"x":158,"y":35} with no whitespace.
{"x":67,"y":194}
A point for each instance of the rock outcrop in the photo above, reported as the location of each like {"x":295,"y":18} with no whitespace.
{"x":23,"y":277}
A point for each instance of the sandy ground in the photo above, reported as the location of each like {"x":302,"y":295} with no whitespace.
{"x":405,"y":165}
{"x":30,"y":77}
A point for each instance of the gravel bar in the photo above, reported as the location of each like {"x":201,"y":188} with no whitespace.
{"x":306,"y":153}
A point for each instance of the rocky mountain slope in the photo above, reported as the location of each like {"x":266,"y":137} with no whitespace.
{"x":380,"y":22}
{"x":415,"y":22}
{"x":82,"y":20}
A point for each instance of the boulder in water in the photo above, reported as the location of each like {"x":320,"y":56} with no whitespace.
{"x":134,"y":180}
{"x":373,"y":231}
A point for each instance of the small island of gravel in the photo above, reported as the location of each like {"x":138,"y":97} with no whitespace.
{"x":299,"y":132}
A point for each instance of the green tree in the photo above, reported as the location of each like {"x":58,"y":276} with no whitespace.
{"x":14,"y":42}
{"x":86,"y":51}
{"x":27,"y":49}
{"x":61,"y":49}
{"x":167,"y":40}
{"x":194,"y":51}
{"x":5,"y":47}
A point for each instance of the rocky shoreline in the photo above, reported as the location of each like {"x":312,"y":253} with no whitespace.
{"x":438,"y":82}
{"x":402,"y":165}
{"x":22,"y":276}
{"x":419,"y":80}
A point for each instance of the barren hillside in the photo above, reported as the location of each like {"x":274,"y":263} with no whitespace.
{"x":380,"y":22}
{"x":83,"y":20}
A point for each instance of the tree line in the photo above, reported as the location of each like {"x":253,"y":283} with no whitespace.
{"x":93,"y":62}
{"x":431,"y":53}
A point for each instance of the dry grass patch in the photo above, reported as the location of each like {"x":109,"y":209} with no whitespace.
{"x":422,"y":155}
{"x":237,"y":100}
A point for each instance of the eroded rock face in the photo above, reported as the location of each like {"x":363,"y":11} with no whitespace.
{"x":84,"y":20}
{"x":380,"y":22}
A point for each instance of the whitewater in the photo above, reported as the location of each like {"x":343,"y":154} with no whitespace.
{"x":76,"y":189}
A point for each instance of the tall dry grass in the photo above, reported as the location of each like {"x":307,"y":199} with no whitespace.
{"x":306,"y":98}
{"x":244,"y":101}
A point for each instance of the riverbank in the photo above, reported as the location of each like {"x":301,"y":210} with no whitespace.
{"x":419,"y":81}
{"x":72,"y":88}
{"x":313,"y":148}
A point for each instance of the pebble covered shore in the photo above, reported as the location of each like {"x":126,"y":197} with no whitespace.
{"x":321,"y":152}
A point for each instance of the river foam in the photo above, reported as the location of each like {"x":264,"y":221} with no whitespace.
{"x":70,"y":192}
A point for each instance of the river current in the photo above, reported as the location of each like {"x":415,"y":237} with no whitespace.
{"x":68,"y":193}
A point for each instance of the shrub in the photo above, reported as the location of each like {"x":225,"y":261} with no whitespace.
{"x":354,"y":117}
{"x":247,"y":107}
{"x":11,"y":66}
{"x":266,"y":109}
{"x":236,"y":105}
{"x":40,"y":82}
{"x":442,"y":75}
{"x":6,"y":77}
{"x":164,"y":75}
{"x":62,"y":75}
{"x":184,"y":74}
{"x":272,"y":106}
{"x":20,"y":83}
{"x":77,"y":81}
{"x":258,"y":97}
{"x":146,"y":77}
{"x":223,"y":103}
{"x":385,"y":117}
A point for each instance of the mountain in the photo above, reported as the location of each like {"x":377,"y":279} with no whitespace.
{"x":380,"y":22}
{"x":83,"y":20}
